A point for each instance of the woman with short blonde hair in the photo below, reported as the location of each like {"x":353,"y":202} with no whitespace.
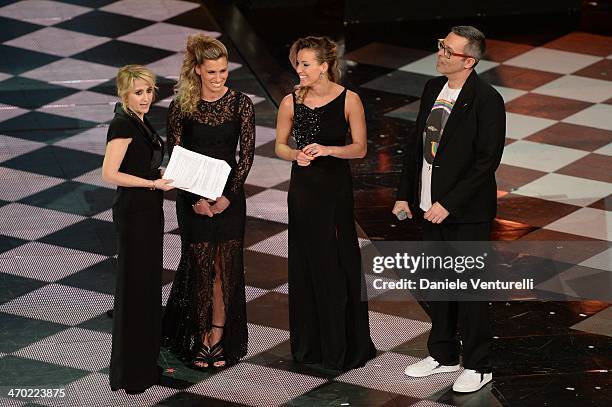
{"x":125,"y":82}
{"x":133,"y":155}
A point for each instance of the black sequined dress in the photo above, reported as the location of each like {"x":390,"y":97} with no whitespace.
{"x":328,"y":321}
{"x":214,"y":129}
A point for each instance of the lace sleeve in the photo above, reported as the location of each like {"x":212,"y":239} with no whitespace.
{"x":174,"y":126}
{"x":239,"y":174}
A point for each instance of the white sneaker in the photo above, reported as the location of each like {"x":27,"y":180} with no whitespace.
{"x":471,"y":380}
{"x":428,"y":366}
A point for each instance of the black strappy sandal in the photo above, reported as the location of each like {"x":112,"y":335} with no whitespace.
{"x":202,"y":358}
{"x":216,"y":354}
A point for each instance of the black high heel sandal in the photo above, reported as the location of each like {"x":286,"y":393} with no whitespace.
{"x":215,"y":352}
{"x":202,"y":359}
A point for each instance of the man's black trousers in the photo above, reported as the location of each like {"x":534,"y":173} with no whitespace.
{"x":468,"y":318}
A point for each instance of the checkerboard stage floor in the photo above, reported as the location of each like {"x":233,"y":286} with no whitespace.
{"x":57,"y":245}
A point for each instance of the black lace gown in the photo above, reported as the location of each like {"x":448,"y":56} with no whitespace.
{"x":328,"y":321}
{"x":214,"y":129}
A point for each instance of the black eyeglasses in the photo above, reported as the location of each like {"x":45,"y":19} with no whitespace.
{"x":448,"y":53}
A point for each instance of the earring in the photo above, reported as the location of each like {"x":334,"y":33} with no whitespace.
{"x":322,"y":74}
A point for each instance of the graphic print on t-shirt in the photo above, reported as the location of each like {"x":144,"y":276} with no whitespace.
{"x":432,"y":134}
{"x":435,"y":127}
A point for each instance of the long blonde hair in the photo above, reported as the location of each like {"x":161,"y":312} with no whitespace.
{"x":325,"y":51}
{"x":125,"y":82}
{"x":200,"y":48}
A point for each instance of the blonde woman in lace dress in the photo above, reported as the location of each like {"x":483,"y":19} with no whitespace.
{"x":205,"y":321}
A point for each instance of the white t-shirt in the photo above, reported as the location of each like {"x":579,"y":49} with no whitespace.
{"x":432,"y":134}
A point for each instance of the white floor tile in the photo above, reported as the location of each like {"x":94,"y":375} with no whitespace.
{"x":577,"y":88}
{"x":485,"y":65}
{"x":85,"y":105}
{"x":75,"y":347}
{"x":427,"y":66}
{"x":602,"y":261}
{"x":93,"y":391}
{"x":254,"y":98}
{"x":166,"y":36}
{"x":43,"y":12}
{"x":170,"y":220}
{"x":275,"y":245}
{"x":251,"y":293}
{"x":267,"y":172}
{"x":8,"y":112}
{"x":363,"y":242}
{"x":30,"y":222}
{"x":17,"y":184}
{"x":59,"y":303}
{"x":255,"y":385}
{"x":85,"y":98}
{"x":539,"y":156}
{"x":386,"y":373}
{"x":429,"y":403}
{"x":283,"y":289}
{"x":594,"y":116}
{"x":606,"y":150}
{"x":163,"y":103}
{"x":168,"y":67}
{"x":38,"y":248}
{"x":519,"y":126}
{"x":264,"y":135}
{"x":567,"y":283}
{"x":56,"y":41}
{"x":106,"y":215}
{"x":94,"y":177}
{"x":93,"y":113}
{"x":11,"y":147}
{"x":156,"y":10}
{"x":92,"y":141}
{"x":172,"y":251}
{"x":73,"y":73}
{"x":566,"y":189}
{"x":389,"y":331}
{"x":232,"y":66}
{"x":552,"y":60}
{"x":509,"y":93}
{"x":270,"y":204}
{"x":166,"y":293}
{"x":6,"y":402}
{"x":262,"y":338}
{"x":590,"y":222}
{"x":50,"y":268}
{"x":372,"y":281}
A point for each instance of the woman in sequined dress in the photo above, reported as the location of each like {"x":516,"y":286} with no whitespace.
{"x":328,"y":321}
{"x":205,"y":320}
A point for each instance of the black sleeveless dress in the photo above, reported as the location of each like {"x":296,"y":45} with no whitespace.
{"x":214,"y":129}
{"x":328,"y":321}
{"x":139,"y":223}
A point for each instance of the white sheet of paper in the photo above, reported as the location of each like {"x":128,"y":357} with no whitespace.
{"x":197,"y":173}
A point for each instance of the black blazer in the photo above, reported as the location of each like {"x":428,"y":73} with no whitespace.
{"x":463,"y":174}
{"x":145,"y":153}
